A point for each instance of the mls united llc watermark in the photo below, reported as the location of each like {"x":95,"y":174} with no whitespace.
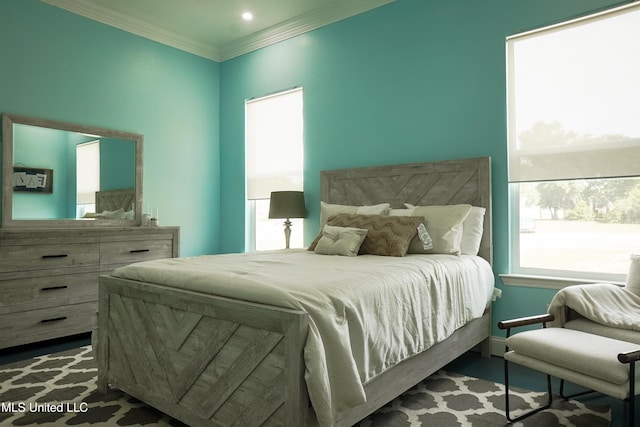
{"x":23,"y":407}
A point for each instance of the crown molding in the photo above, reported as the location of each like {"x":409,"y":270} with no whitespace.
{"x":137,"y":27}
{"x":301,"y":24}
{"x":334,"y":12}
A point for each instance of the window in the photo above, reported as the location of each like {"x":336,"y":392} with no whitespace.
{"x":274,"y":162}
{"x":574,"y":146}
{"x":87,"y":176}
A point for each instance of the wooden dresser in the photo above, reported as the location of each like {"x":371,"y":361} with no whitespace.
{"x":49,"y":277}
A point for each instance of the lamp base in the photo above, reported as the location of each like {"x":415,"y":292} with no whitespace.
{"x":287,"y":232}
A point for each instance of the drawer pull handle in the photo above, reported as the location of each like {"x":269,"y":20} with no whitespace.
{"x":54,"y":288}
{"x":55,"y":319}
{"x":136,"y":251}
{"x":54,"y":256}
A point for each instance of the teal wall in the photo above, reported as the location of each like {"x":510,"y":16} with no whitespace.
{"x":117,"y":164}
{"x":411,"y":81}
{"x":60,"y":66}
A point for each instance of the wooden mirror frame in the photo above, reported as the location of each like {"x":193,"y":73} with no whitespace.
{"x":8,"y":120}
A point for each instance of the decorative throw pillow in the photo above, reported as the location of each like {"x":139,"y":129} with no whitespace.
{"x":327,"y":210}
{"x":422,"y":238}
{"x":344,"y":241}
{"x":633,"y":277}
{"x":444,"y":224}
{"x":386,"y":235}
{"x":472,"y":228}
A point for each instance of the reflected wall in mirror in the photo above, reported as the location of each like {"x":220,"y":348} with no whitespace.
{"x":96,"y":174}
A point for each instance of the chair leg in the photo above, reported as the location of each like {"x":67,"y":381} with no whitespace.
{"x":631,"y":413}
{"x":630,"y":401}
{"x":571,"y":396}
{"x":506,"y":393}
{"x":632,"y":394}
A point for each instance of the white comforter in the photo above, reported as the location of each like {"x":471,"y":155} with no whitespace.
{"x":603,"y":303}
{"x":367,"y":313}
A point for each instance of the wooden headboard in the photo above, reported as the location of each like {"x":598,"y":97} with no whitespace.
{"x":447,"y":182}
{"x":112,"y":200}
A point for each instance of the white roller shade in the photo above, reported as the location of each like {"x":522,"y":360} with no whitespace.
{"x":87,"y":172}
{"x":273,"y":126}
{"x":574,"y":99}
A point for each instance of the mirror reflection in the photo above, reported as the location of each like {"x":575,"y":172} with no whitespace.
{"x":56,"y":171}
{"x":80,"y":167}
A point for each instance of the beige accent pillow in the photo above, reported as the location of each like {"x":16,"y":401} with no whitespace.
{"x":444,"y":224}
{"x":327,"y":210}
{"x":386,"y":235}
{"x":344,"y":241}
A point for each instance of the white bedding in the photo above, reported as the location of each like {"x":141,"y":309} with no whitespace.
{"x":366,"y":313}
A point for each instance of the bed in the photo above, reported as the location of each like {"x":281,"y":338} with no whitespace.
{"x":114,"y":205}
{"x":111,"y":200}
{"x":210,"y":358}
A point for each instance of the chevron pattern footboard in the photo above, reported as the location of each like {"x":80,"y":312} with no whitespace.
{"x":202,"y":359}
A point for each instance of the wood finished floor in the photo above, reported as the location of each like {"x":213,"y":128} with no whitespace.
{"x":471,"y":364}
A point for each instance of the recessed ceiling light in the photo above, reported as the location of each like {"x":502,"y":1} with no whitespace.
{"x":247,"y":16}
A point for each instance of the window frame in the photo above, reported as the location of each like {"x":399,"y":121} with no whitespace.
{"x":251,"y":214}
{"x":548,"y":277}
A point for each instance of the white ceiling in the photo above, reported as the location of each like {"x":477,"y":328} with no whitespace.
{"x":215,"y":29}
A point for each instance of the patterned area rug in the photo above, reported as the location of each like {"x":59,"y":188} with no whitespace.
{"x":60,"y":389}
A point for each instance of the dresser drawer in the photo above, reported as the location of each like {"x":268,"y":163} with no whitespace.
{"x":44,"y":291}
{"x":41,"y":257}
{"x":54,"y":322}
{"x":130,"y":251}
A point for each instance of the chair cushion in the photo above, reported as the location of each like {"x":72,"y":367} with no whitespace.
{"x":589,"y":354}
{"x":590,"y":327}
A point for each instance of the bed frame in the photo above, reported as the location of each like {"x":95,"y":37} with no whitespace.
{"x":209,"y":360}
{"x":111,"y":200}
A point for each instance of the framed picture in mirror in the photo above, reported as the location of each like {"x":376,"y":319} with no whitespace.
{"x":34,"y":180}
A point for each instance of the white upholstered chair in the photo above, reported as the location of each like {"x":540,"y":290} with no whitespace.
{"x":593,"y":361}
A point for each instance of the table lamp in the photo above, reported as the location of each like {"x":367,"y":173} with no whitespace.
{"x":287,"y":205}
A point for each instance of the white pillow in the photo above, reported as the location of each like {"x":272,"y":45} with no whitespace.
{"x":633,"y":277}
{"x":472,"y":228}
{"x":340,"y":240}
{"x":327,"y":210}
{"x":444,"y":224}
{"x":399,"y":212}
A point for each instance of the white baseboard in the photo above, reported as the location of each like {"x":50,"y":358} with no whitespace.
{"x":497,"y":346}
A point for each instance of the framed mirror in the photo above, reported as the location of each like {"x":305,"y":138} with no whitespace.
{"x":58,"y":174}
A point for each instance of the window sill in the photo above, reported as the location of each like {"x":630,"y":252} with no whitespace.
{"x":546,"y":282}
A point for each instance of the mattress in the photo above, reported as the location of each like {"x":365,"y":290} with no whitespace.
{"x":367,"y":313}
